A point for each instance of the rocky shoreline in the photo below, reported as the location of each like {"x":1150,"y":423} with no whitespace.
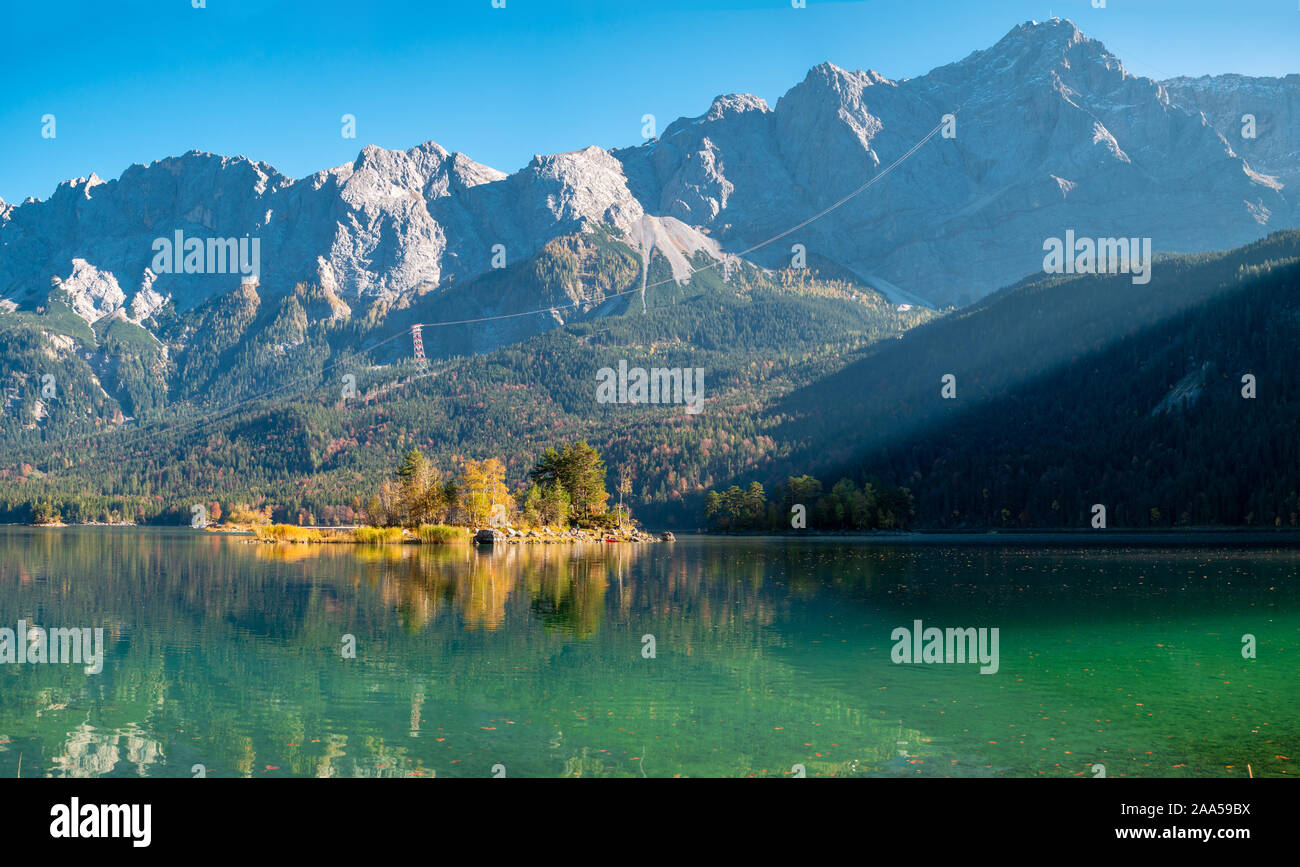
{"x":457,"y":536}
{"x":484,"y":536}
{"x":509,"y":536}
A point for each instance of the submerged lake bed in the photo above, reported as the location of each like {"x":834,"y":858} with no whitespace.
{"x":705,"y":657}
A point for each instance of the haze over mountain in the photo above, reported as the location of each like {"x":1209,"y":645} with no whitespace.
{"x":1272,"y":107}
{"x":1052,"y":134}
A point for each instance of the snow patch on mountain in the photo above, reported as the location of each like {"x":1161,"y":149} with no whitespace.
{"x":91,"y":293}
{"x":146,"y":301}
{"x":1066,"y":186}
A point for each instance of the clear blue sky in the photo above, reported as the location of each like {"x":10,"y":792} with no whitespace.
{"x":138,"y":80}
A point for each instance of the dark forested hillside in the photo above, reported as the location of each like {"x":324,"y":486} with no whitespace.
{"x":1084,"y":391}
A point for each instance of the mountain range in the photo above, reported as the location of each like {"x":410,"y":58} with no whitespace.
{"x":1051,"y":133}
{"x":538,"y":279}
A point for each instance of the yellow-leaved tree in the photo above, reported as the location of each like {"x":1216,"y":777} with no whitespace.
{"x":483,"y":491}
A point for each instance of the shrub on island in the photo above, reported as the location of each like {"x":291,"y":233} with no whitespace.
{"x":441,"y":534}
{"x":286,"y":533}
{"x":378,"y":535}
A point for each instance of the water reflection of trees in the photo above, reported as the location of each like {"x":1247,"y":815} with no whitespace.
{"x":227,"y":654}
{"x":204,"y":633}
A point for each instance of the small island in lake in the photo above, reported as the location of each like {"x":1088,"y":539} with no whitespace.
{"x":563,"y":501}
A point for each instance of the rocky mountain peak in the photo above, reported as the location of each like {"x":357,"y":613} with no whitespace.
{"x":587,"y":184}
{"x":386,"y":172}
{"x":1061,"y":30}
{"x":840,"y":80}
{"x":1050,"y":40}
{"x":733,"y":104}
{"x":1038,"y":49}
{"x":1260,"y":117}
{"x":827,"y":117}
{"x":469,"y":173}
{"x":201,"y":168}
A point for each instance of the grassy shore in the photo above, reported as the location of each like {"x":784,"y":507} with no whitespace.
{"x":427,"y":535}
{"x":440,"y":534}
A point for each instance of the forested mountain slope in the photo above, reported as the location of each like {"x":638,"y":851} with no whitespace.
{"x":264,"y":414}
{"x":1072,"y":392}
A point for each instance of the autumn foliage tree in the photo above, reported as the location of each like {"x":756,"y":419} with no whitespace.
{"x":483,"y":490}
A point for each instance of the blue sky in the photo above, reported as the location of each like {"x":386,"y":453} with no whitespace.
{"x":138,"y":80}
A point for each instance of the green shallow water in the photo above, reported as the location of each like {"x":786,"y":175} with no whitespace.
{"x":770,"y":653}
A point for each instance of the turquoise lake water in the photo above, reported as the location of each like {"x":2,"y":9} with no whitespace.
{"x":772,"y":657}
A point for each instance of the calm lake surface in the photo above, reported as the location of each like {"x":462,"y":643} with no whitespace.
{"x":769,"y":653}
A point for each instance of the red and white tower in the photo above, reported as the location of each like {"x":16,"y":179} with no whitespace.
{"x":419,"y":345}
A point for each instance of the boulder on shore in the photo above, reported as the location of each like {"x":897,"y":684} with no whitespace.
{"x":489,"y":536}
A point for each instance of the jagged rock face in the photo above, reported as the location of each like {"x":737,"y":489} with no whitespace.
{"x":146,"y":302}
{"x":90,"y":293}
{"x":367,"y":226}
{"x":682,"y":173}
{"x":1271,"y":144}
{"x":1052,"y":134}
{"x":365,"y":229}
{"x":384,"y":229}
{"x":553,"y":196}
{"x":110,"y":227}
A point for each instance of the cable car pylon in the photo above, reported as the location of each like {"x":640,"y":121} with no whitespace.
{"x":418,"y":340}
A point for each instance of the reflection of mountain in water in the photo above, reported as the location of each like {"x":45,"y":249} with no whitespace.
{"x":768,"y":655}
{"x":91,"y":753}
